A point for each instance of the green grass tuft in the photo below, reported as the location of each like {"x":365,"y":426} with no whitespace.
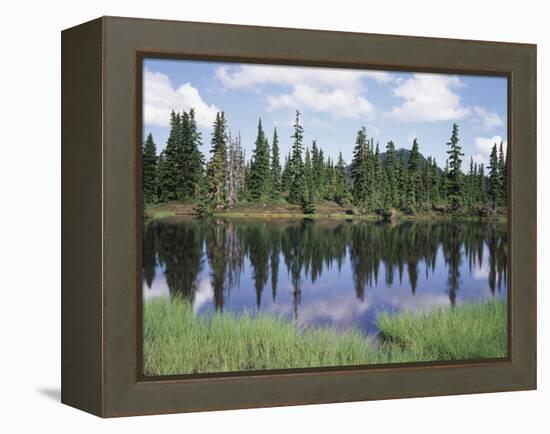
{"x":471,"y":331}
{"x":176,"y":341}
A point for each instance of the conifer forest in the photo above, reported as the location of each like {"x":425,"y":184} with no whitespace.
{"x":376,"y":181}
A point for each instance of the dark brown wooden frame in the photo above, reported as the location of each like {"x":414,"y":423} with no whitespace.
{"x":101,"y":130}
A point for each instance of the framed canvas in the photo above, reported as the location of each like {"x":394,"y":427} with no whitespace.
{"x":258,"y":216}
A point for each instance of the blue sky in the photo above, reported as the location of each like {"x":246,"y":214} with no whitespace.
{"x":334,"y":103}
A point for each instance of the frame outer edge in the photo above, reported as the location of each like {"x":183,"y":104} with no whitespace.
{"x":81,"y":209}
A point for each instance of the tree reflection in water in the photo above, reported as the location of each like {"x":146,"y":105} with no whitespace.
{"x":306,"y":249}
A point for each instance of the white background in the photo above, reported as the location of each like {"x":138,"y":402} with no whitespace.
{"x":30,"y":215}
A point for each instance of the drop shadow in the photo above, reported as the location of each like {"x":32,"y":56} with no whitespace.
{"x":51,"y":393}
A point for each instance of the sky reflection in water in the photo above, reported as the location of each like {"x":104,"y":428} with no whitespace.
{"x":339,"y":273}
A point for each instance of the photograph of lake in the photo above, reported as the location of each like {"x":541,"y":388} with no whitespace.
{"x":306,"y":217}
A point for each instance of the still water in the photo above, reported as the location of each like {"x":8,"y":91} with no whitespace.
{"x":337,"y":273}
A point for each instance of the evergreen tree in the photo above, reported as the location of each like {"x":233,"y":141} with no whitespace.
{"x":402,"y":180}
{"x":368,"y":173}
{"x":456,"y":187}
{"x":471,"y":183}
{"x":425,"y":194}
{"x":502,"y":174}
{"x":330,"y":180}
{"x":494,"y":189}
{"x":275,"y":167}
{"x":202,"y":207}
{"x":377,"y":178}
{"x":192,"y":169}
{"x":482,"y":184}
{"x":391,"y":174}
{"x":286,"y":177}
{"x":297,"y":187}
{"x":169,"y":175}
{"x":182,"y":160}
{"x":235,"y":170}
{"x":359,"y":169}
{"x":414,"y":184}
{"x":217,"y":166}
{"x":259,"y":167}
{"x":445,"y":182}
{"x":149,"y":169}
{"x":341,"y":187}
{"x":435,"y":188}
{"x":318,"y":166}
{"x":308,"y":203}
{"x":161,"y":175}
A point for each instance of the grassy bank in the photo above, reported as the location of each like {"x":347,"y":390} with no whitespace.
{"x":324,"y":210}
{"x":178,"y":342}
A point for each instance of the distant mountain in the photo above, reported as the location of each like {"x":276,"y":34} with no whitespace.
{"x":403,"y":153}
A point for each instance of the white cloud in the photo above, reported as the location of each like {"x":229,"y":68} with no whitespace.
{"x":432,"y":98}
{"x":247,"y":76}
{"x":428,"y":98}
{"x":160,"y":98}
{"x":483,"y":146}
{"x":379,"y":76}
{"x":487,"y":118}
{"x":339,"y":103}
{"x":338,"y":92}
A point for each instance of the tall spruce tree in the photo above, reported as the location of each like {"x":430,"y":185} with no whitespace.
{"x":471,"y":184}
{"x":414,"y":184}
{"x":193,"y":160}
{"x":341,"y":187}
{"x":482,"y":184}
{"x":181,"y":157}
{"x":391,"y":174}
{"x":202,"y":203}
{"x":402,"y":179}
{"x":377,"y":178}
{"x":445,"y":182}
{"x":456,"y":182}
{"x":149,"y":169}
{"x":217,"y":166}
{"x":297,"y":185}
{"x":330,"y":180}
{"x":275,"y":167}
{"x":286,"y":177}
{"x":235,"y":170}
{"x":161,"y":170}
{"x":170,"y":171}
{"x":502,"y":174}
{"x":318,"y":166}
{"x":368,"y":173}
{"x":435,"y":189}
{"x":359,"y":168}
{"x":308,"y":202}
{"x":259,"y":167}
{"x":494,"y":189}
{"x":425,"y":196}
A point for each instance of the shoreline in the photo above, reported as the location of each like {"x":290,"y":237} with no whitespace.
{"x":420,"y":217}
